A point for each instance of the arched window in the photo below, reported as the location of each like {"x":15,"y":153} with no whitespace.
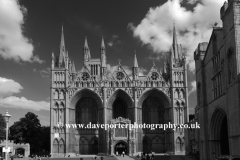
{"x":178,"y":144}
{"x":230,"y":66}
{"x":56,"y":94}
{"x":86,"y":111}
{"x":83,"y":145}
{"x":119,"y":108}
{"x":153,"y":111}
{"x":157,"y":145}
{"x":199,"y":93}
{"x":61,"y":146}
{"x":55,"y":146}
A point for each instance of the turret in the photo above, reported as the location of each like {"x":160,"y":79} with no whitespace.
{"x":135,"y":67}
{"x":86,"y":51}
{"x":62,"y":48}
{"x":53,"y":60}
{"x":73,"y":67}
{"x":103,"y":60}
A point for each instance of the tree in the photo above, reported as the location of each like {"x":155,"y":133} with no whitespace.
{"x":27,"y":130}
{"x":2,"y":127}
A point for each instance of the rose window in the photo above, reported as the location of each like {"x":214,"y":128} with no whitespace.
{"x":120,"y":76}
{"x":154,"y":76}
{"x":85,"y":76}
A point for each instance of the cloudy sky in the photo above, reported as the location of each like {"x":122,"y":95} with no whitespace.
{"x":30,"y":31}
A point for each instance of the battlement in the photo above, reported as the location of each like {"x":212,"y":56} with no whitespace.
{"x":4,"y":141}
{"x":21,"y":144}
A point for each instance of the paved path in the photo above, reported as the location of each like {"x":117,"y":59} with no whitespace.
{"x":124,"y":158}
{"x":158,"y":158}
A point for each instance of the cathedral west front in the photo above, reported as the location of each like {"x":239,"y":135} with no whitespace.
{"x":92,"y":95}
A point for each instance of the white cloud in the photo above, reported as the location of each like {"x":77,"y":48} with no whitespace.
{"x":114,"y":41}
{"x":13,"y":44}
{"x":45,"y":72}
{"x":36,"y":59}
{"x":195,"y":26}
{"x":193,"y":87}
{"x":8,"y":87}
{"x":23,"y":103}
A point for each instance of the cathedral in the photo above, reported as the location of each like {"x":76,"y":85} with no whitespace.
{"x":92,"y":95}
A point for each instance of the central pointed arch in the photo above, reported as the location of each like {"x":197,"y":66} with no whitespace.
{"x":120,"y":103}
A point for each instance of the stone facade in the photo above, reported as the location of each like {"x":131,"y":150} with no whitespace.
{"x":14,"y":147}
{"x":94,"y":95}
{"x":217,"y":78}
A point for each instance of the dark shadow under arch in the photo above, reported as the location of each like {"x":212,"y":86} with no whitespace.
{"x":219,"y":133}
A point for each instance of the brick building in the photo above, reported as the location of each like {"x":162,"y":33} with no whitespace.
{"x":218,"y":87}
{"x":90,"y":95}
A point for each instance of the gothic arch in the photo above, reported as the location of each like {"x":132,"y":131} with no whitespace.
{"x":61,"y":146}
{"x":157,"y":144}
{"x":83,"y":145}
{"x":155,"y":93}
{"x":219,"y":132}
{"x":120,"y":96}
{"x":61,"y":94}
{"x":178,"y":147}
{"x":55,"y":146}
{"x":146,"y":144}
{"x":85,"y":93}
{"x":120,"y":93}
{"x":56,"y":94}
{"x":94,"y":145}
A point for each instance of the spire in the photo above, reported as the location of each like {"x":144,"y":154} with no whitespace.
{"x":174,"y":36}
{"x":53,"y":60}
{"x":164,"y":67}
{"x":86,"y":50}
{"x":86,"y":43}
{"x":175,"y":44}
{"x":103,"y":45}
{"x":103,"y":53}
{"x":135,"y":63}
{"x":62,"y":50}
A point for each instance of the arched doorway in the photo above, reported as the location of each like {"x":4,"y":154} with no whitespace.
{"x":145,"y":145}
{"x":94,"y":147}
{"x":20,"y":151}
{"x":219,"y":134}
{"x":120,"y":147}
{"x":224,"y":142}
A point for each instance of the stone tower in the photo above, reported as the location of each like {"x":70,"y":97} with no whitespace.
{"x":94,"y":95}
